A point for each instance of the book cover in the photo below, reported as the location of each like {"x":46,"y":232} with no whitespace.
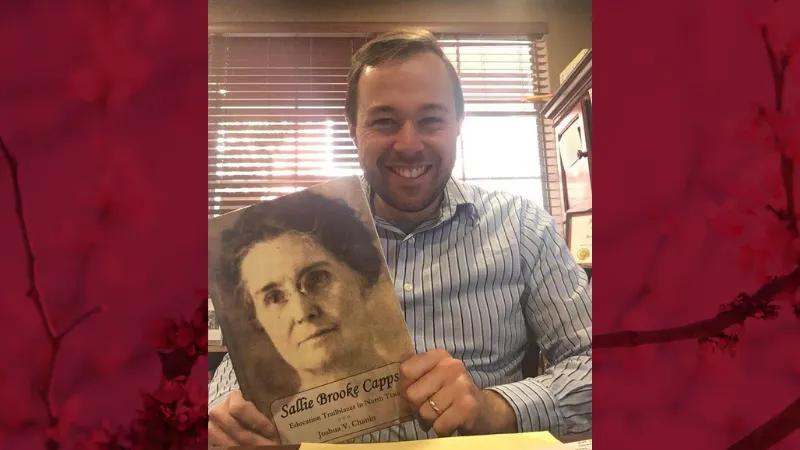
{"x":311,"y":320}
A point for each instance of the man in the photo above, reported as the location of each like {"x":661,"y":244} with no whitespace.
{"x":480,"y":276}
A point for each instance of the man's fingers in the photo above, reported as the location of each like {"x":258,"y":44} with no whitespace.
{"x":218,"y":437}
{"x":454,"y":417}
{"x":424,"y":425}
{"x":432,"y":382}
{"x":233,"y":429}
{"x":447,"y":423}
{"x":421,"y":378}
{"x":250,"y":417}
{"x":452,"y":392}
{"x":418,"y":365}
{"x":220,"y":415}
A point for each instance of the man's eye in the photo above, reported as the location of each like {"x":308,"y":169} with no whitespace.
{"x":274,"y":297}
{"x":317,"y":280}
{"x":385,"y":122}
{"x":432,"y":121}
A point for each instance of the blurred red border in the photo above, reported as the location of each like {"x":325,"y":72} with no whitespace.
{"x":695,"y":283}
{"x":102,"y":223}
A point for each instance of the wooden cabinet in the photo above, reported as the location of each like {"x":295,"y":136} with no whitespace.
{"x":573,"y":152}
{"x":570,"y":109}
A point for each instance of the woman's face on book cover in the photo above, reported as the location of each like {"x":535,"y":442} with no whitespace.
{"x":309,"y":303}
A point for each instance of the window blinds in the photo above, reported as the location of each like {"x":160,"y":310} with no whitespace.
{"x":276,"y":115}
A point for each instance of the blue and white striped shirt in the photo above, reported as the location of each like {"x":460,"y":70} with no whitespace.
{"x":484,"y":278}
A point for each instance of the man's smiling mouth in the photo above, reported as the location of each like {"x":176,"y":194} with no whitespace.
{"x":410,"y":172}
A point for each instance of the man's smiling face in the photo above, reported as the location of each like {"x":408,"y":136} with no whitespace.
{"x":406,"y":130}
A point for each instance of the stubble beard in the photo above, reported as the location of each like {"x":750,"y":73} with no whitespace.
{"x":382,"y":190}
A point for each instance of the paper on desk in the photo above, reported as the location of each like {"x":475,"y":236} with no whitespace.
{"x":579,"y":445}
{"x":515,"y":441}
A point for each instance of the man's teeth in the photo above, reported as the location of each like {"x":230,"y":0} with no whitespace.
{"x":409,"y":173}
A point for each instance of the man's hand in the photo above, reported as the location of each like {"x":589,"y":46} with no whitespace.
{"x":462,"y":406}
{"x":236,"y":421}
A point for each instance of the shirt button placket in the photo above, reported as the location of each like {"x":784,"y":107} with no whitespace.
{"x":409,"y":251}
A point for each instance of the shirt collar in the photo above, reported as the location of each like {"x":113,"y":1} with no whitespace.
{"x":459,"y":195}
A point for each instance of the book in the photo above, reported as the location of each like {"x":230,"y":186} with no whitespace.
{"x":309,"y":313}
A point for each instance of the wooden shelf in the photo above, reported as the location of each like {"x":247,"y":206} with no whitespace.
{"x":577,"y":84}
{"x":217,"y":349}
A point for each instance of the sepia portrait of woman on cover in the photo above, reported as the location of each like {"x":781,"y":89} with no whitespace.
{"x":312,"y":278}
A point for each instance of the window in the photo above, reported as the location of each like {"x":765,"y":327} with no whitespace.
{"x":499,"y":144}
{"x":276,"y":115}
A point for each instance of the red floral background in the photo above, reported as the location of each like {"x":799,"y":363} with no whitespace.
{"x":102,"y":115}
{"x":697,"y":145}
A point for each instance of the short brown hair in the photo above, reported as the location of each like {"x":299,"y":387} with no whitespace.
{"x":396,"y":45}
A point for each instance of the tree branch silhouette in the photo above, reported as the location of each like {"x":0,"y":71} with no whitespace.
{"x":772,"y":431}
{"x":758,"y":305}
{"x":778,"y":67}
{"x":30,"y":260}
{"x":33,"y":293}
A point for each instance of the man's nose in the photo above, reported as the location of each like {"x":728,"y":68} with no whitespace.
{"x":408,"y":138}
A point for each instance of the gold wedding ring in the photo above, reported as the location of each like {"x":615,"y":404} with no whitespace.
{"x":435,"y":408}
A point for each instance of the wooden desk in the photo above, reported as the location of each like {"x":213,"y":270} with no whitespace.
{"x":564,"y":439}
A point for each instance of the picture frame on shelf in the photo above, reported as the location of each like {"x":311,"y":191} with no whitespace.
{"x":579,"y":236}
{"x":214,"y":330}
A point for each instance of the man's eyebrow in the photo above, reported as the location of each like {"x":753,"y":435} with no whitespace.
{"x":378,"y":109}
{"x":434,"y":107}
{"x":427,"y":107}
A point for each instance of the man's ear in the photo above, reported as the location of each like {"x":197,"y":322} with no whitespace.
{"x":460,"y":122}
{"x":351,"y":128}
